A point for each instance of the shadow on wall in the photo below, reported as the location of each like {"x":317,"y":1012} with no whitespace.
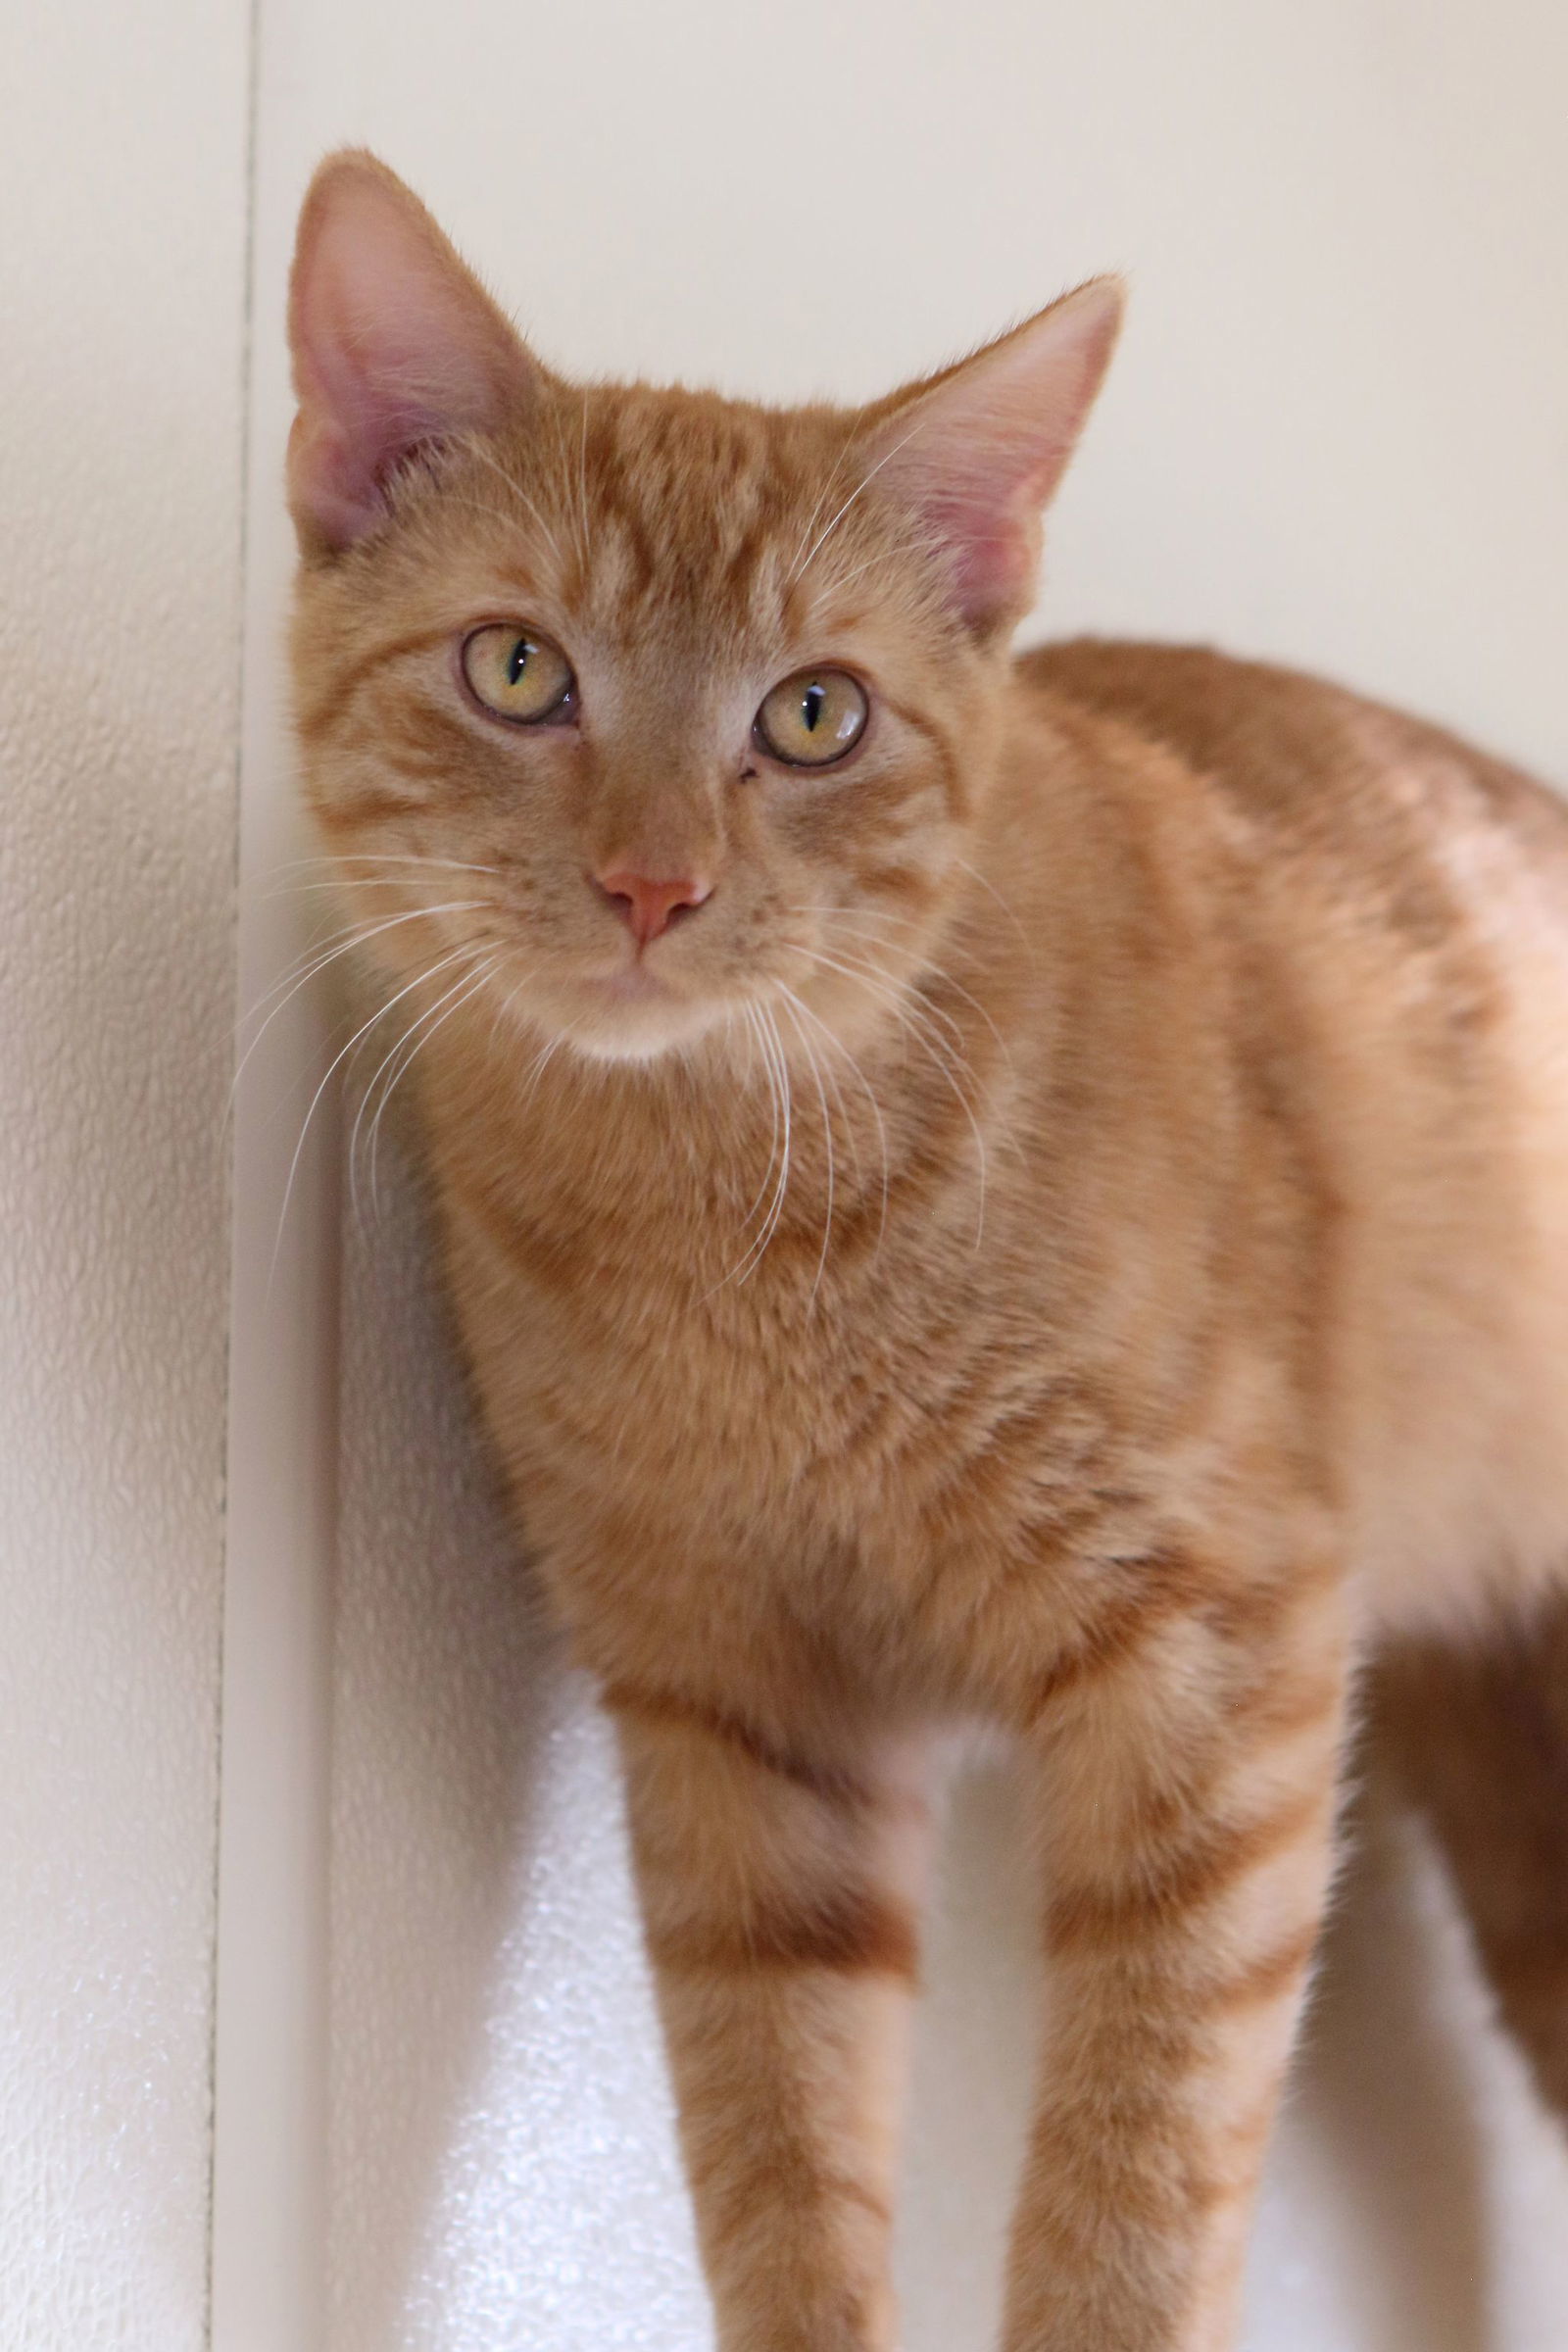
{"x":504,"y":2174}
{"x":503,"y":2160}
{"x":1419,"y":2191}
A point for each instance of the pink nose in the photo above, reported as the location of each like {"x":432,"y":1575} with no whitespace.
{"x":648,"y":907}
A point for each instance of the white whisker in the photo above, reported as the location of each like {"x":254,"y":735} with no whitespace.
{"x":935,"y":971}
{"x":918,"y":1008}
{"x":778,"y":1063}
{"x":822,"y":496}
{"x":537,"y":1068}
{"x":861,"y":485}
{"x":339,"y":889}
{"x":912,"y":544}
{"x":805,"y":1009}
{"x":505,"y":1004}
{"x":800,"y":1009}
{"x":317,"y":962}
{"x":935,"y":1048}
{"x":781,"y":1064}
{"x":474,"y":450}
{"x":975,"y":875}
{"x":467,"y":985}
{"x":466,"y":956}
{"x":582,"y":481}
{"x":750,"y":1013}
{"x":861,"y":915}
{"x":340,"y":857}
{"x":351,"y":935}
{"x":827,"y":1141}
{"x":320,"y":1090}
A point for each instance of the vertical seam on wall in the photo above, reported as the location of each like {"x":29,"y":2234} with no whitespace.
{"x":246,"y":326}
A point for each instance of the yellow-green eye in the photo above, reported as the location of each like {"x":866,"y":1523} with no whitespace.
{"x":516,"y":672}
{"x":813,"y":718}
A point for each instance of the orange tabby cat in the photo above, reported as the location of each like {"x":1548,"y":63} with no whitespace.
{"x":1025,"y":1192}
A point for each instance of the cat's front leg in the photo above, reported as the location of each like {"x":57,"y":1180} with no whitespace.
{"x":1188,"y":1787}
{"x":779,"y":1884}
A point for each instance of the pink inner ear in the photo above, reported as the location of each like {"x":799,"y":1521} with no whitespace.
{"x":980,"y":453}
{"x":395,"y":344}
{"x":992,"y":545}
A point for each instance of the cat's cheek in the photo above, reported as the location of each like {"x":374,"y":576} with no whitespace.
{"x":875,"y":840}
{"x":354,"y":796}
{"x":811,"y":816}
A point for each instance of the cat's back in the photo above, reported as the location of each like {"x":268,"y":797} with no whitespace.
{"x":1415,"y":892}
{"x":1411,"y":888}
{"x":1322,"y":770}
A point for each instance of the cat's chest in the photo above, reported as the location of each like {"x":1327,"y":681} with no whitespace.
{"x":757,"y":1384}
{"x":902,"y":1478}
{"x":864,"y":1416}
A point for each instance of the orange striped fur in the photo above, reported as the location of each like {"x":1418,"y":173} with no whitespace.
{"x":1068,"y":1231}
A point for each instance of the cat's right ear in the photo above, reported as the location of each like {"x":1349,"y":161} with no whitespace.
{"x":396,"y":347}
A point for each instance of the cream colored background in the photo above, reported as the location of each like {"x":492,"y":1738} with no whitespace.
{"x":1336,"y":433}
{"x":122,"y":214}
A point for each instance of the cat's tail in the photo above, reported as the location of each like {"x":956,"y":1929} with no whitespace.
{"x":1478,"y":1737}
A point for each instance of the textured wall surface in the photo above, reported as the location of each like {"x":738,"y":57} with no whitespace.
{"x":1334,"y":433}
{"x":121,"y":287}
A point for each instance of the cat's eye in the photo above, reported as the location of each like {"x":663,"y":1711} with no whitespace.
{"x":813,"y":718}
{"x":517,"y":673}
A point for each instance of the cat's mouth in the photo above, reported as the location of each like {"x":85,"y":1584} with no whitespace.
{"x":631,"y":984}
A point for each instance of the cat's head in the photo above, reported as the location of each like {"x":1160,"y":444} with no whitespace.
{"x":634,"y":709}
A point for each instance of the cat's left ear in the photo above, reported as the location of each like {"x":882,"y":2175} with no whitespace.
{"x":977,"y":452}
{"x":396,"y":347}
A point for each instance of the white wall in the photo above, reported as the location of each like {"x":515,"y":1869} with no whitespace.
{"x":1335,"y":433}
{"x":121,"y":317}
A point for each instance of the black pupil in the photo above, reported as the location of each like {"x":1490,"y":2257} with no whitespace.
{"x":518,"y":661}
{"x":811,"y":706}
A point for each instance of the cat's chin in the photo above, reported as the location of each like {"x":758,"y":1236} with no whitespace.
{"x":629,"y":1015}
{"x":639,"y":1031}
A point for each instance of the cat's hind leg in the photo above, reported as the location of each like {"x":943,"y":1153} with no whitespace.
{"x":1477,"y":1735}
{"x":1189,"y":1774}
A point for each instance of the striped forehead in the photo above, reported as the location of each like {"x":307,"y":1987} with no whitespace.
{"x":694,"y":508}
